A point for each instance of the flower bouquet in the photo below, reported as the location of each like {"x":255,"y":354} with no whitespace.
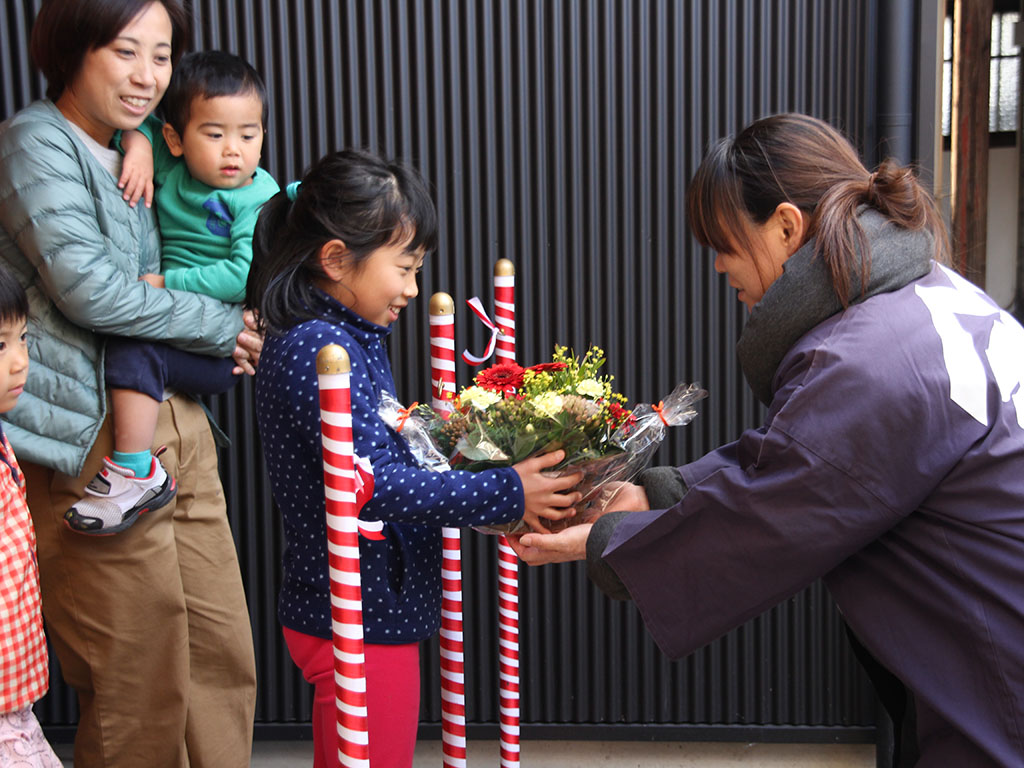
{"x":510,"y":413}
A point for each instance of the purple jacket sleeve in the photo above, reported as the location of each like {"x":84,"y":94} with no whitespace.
{"x":741,"y":540}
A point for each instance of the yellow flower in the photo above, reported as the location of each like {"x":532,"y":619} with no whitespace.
{"x":547,"y":404}
{"x":479,"y":398}
{"x":590,"y":388}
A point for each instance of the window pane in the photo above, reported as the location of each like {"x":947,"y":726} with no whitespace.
{"x":1003,"y":74}
{"x":1008,"y":34}
{"x":1006,"y":119}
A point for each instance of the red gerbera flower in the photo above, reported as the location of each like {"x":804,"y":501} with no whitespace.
{"x":619,"y":414}
{"x":543,"y":367}
{"x":504,"y":377}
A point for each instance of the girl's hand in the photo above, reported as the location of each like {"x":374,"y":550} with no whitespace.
{"x":562,"y":547}
{"x":543,"y":494}
{"x":157,"y":281}
{"x":248,"y":345}
{"x":137,"y":168}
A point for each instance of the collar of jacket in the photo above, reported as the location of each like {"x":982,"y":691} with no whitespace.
{"x":361,"y":329}
{"x":802,"y":297}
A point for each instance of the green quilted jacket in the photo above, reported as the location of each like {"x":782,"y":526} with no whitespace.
{"x":79,"y":250}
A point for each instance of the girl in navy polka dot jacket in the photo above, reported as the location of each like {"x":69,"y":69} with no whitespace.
{"x":335,"y":260}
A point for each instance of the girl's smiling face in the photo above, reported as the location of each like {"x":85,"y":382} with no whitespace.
{"x":378,"y":288}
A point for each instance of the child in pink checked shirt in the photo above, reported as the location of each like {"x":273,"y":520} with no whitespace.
{"x":24,"y":665}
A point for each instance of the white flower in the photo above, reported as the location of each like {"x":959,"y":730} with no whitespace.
{"x":590,"y":388}
{"x":547,"y":404}
{"x":479,"y":398}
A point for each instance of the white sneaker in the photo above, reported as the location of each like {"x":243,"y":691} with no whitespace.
{"x":116,"y":497}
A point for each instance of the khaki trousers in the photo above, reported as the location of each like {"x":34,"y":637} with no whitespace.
{"x":150,"y":625}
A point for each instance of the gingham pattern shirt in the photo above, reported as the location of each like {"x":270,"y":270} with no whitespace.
{"x":24,"y":665}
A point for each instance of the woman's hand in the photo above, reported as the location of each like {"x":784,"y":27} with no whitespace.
{"x":136,"y":169}
{"x":542,"y":548}
{"x":543,"y":494}
{"x":618,"y":497}
{"x":248,"y":345}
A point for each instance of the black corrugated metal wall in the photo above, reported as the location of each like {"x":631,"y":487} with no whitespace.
{"x":558,"y":134}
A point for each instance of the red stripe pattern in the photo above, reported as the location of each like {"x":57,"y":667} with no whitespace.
{"x":505,"y":312}
{"x":343,"y":556}
{"x":453,"y":660}
{"x":508,"y":563}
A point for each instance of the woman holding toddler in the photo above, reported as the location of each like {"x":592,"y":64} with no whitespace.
{"x":150,"y":626}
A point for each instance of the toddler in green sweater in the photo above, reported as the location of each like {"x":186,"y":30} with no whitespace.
{"x":204,"y":165}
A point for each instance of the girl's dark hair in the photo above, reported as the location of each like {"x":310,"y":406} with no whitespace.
{"x":13,"y":301}
{"x":206,"y":75}
{"x":65,"y":30}
{"x":801,"y":160}
{"x":353,"y":196}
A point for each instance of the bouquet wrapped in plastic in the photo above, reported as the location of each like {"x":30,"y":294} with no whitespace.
{"x":510,"y":413}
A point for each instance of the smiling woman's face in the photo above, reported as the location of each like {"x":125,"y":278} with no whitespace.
{"x":120,"y":83}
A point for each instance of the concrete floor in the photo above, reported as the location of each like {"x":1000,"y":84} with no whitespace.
{"x":595,"y":754}
{"x":624,"y":754}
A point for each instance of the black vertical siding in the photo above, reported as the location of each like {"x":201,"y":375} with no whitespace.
{"x":559,"y":134}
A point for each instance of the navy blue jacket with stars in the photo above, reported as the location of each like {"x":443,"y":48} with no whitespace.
{"x":401,"y":575}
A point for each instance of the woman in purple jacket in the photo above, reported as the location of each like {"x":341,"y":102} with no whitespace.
{"x":891,"y":464}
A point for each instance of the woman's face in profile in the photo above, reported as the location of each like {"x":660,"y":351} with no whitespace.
{"x":752,"y":269}
{"x":120,"y":83}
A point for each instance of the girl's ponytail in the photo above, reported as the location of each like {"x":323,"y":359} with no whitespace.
{"x":276,"y":278}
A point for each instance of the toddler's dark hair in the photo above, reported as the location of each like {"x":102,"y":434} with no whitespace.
{"x":206,"y":75}
{"x":353,"y":196}
{"x":13,"y":300}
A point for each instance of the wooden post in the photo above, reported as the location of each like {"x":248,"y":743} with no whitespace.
{"x":972,"y":26}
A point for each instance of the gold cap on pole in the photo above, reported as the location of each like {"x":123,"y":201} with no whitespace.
{"x":504,"y":268}
{"x":332,"y":359}
{"x":441,"y":304}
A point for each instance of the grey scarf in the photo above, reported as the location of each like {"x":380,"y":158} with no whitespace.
{"x":802,"y":297}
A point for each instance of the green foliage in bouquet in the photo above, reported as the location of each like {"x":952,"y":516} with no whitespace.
{"x":511,"y":413}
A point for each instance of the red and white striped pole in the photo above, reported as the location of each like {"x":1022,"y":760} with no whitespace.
{"x":508,"y":563}
{"x":453,"y":659}
{"x":505,"y":310}
{"x":332,"y":363}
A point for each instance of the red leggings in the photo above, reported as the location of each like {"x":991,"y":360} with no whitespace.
{"x":392,"y":698}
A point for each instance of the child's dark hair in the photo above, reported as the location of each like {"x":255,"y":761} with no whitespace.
{"x":13,"y":300}
{"x":353,"y":196}
{"x":206,"y":75}
{"x":802,"y":160}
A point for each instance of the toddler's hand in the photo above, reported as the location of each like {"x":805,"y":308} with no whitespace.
{"x":137,"y":168}
{"x":543,"y":495}
{"x":157,"y":281}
